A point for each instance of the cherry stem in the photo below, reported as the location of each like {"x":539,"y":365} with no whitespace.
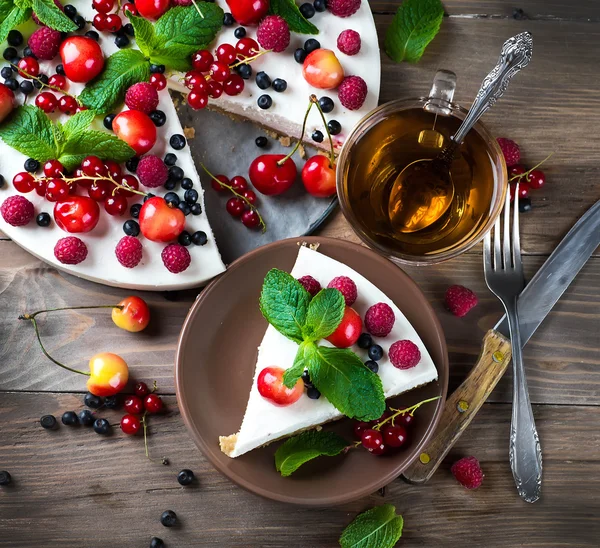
{"x":70,"y":180}
{"x":299,"y":142}
{"x":237,"y":194}
{"x":409,"y":410}
{"x":315,"y":101}
{"x":518,"y":177}
{"x":163,"y":460}
{"x":44,"y":85}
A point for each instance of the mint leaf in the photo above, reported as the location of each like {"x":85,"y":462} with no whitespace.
{"x":144,"y":34}
{"x":95,"y":143}
{"x":309,"y":445}
{"x":325,"y":313}
{"x":379,"y":527}
{"x":30,"y":132}
{"x":11,"y":16}
{"x":49,"y":14}
{"x":284,"y":304}
{"x":293,"y":17}
{"x":415,"y":25}
{"x":343,"y":379}
{"x":305,"y":354}
{"x":123,"y":69}
{"x":77,"y":123}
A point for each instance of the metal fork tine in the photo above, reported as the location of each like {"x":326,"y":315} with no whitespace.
{"x":506,"y":242}
{"x":497,"y":252}
{"x":516,"y":239}
{"x":487,"y":252}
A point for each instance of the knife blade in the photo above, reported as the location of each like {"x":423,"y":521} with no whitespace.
{"x":535,"y":302}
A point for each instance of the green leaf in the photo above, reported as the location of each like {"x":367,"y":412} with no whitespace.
{"x":325,"y":313}
{"x":379,"y":527}
{"x":14,"y":17}
{"x":292,"y":15}
{"x":95,"y":143}
{"x":49,"y":14}
{"x":30,"y":132}
{"x":171,"y":57}
{"x":284,"y":304}
{"x":144,"y":34}
{"x":343,"y":379}
{"x":415,"y":25}
{"x":77,"y":123}
{"x":123,"y":69}
{"x":306,"y":353}
{"x":307,"y":446}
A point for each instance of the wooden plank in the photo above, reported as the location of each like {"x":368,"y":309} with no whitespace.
{"x":73,"y":488}
{"x":561,"y":359}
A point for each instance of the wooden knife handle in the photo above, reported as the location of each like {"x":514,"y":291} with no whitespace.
{"x":462,"y":406}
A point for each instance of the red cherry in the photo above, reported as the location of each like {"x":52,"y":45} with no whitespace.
{"x":270,"y":386}
{"x":56,"y":189}
{"x":516,"y":171}
{"x":153,"y":403}
{"x":103,"y":6}
{"x":136,"y":129}
{"x":394,"y":436}
{"x":226,"y":54}
{"x":250,"y":218}
{"x":113,"y":168}
{"x":129,"y":181}
{"x":82,"y":58}
{"x":113,"y":23}
{"x":100,"y":190}
{"x":46,"y":101}
{"x":250,"y":196}
{"x":159,"y":222}
{"x":28,"y":67}
{"x":99,"y":21}
{"x":40,"y":187}
{"x":93,"y":166}
{"x":215,"y":89}
{"x":130,"y":425}
{"x":58,"y":81}
{"x":234,"y":85}
{"x":235,"y":207}
{"x":536,"y":179}
{"x":197,"y":99}
{"x":202,"y":60}
{"x":248,"y":12}
{"x":405,"y":420}
{"x":67,"y":104}
{"x":141,"y":389}
{"x":239,"y":183}
{"x":216,"y":185}
{"x":152,"y":9}
{"x":158,"y":81}
{"x":24,"y":182}
{"x":53,"y":168}
{"x":246,"y":47}
{"x":219,"y":71}
{"x":372,"y":441}
{"x":76,"y":214}
{"x":318,"y":176}
{"x":270,"y":178}
{"x":134,"y":405}
{"x":116,"y":205}
{"x":348,"y":331}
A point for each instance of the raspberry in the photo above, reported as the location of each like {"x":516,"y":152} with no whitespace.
{"x":142,"y":96}
{"x":45,"y":43}
{"x":181,"y":2}
{"x":17,"y":210}
{"x":56,"y":3}
{"x":346,"y":287}
{"x":468,"y":472}
{"x":343,"y":8}
{"x":152,"y":171}
{"x":129,"y":251}
{"x":379,"y":319}
{"x":348,"y":42}
{"x":510,"y":150}
{"x":352,"y":92}
{"x":70,"y":250}
{"x":404,"y":354}
{"x":273,"y":33}
{"x":176,"y":258}
{"x":310,"y":284}
{"x":459,"y":300}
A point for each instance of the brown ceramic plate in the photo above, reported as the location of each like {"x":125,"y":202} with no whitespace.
{"x":215,"y":363}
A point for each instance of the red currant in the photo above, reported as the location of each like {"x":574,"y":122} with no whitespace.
{"x":250,"y":196}
{"x":113,"y":23}
{"x":103,"y":6}
{"x":226,"y":53}
{"x":239,"y":183}
{"x":394,"y":436}
{"x":24,"y":182}
{"x":93,"y":166}
{"x":58,"y":81}
{"x":372,"y":441}
{"x":536,"y":179}
{"x":100,"y":190}
{"x":250,"y":218}
{"x":246,"y":47}
{"x":216,"y":185}
{"x":80,"y":108}
{"x":215,"y":89}
{"x":271,"y":178}
{"x":56,"y":189}
{"x":404,"y":420}
{"x":153,"y":403}
{"x":195,"y":79}
{"x":116,"y":205}
{"x":67,"y":104}
{"x":40,"y":187}
{"x":219,"y":71}
{"x":158,"y":81}
{"x":113,"y":168}
{"x":234,"y":85}
{"x":81,"y":181}
{"x":130,"y":424}
{"x":516,"y":171}
{"x":73,"y":188}
{"x":134,"y":405}
{"x":359,"y":427}
{"x":202,"y":60}
{"x":235,"y":207}
{"x":99,"y":21}
{"x":53,"y":168}
{"x":28,"y":67}
{"x":130,"y":9}
{"x":270,"y":386}
{"x":197,"y":99}
{"x":129,"y":181}
{"x":141,"y":389}
{"x":523,"y":191}
{"x":46,"y":101}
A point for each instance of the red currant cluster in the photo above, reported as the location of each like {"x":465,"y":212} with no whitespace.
{"x":144,"y":402}
{"x":532,"y":179}
{"x":105,"y":20}
{"x":212,"y":77}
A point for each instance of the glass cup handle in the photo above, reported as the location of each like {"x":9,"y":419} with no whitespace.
{"x":441,"y":94}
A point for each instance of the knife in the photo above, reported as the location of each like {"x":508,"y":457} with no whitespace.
{"x":535,"y":302}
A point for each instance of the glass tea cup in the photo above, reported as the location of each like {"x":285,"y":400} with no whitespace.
{"x":397,"y":134}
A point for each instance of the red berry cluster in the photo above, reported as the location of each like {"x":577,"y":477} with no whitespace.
{"x":105,"y":20}
{"x":144,"y":402}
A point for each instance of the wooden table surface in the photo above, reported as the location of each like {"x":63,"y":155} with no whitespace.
{"x":73,"y":488}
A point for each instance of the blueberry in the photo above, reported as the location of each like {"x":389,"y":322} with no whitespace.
{"x":185,"y":477}
{"x":172,"y":198}
{"x":129,"y":30}
{"x":184,"y":238}
{"x":9,"y":53}
{"x":93,"y":35}
{"x":14,"y":38}
{"x":175,"y":173}
{"x":334,"y":127}
{"x":157,"y":69}
{"x":326,"y":104}
{"x":187,"y":183}
{"x":131,"y":228}
{"x":69,"y":418}
{"x":6,"y":72}
{"x":191,"y":196}
{"x":244,"y":70}
{"x":185,"y":208}
{"x":5,"y":477}
{"x":101,"y":426}
{"x":299,"y":55}
{"x":12,"y":84}
{"x":519,"y":14}
{"x":372,"y":365}
{"x":317,"y":136}
{"x":135,"y":213}
{"x":60,"y":69}
{"x":313,"y":393}
{"x":228,"y":20}
{"x":525,"y":205}
{"x":168,"y":518}
{"x":1,"y":181}
{"x":311,"y":45}
{"x":41,"y":80}
{"x":261,"y":141}
{"x":240,"y":32}
{"x":264,"y":102}
{"x":108,"y":120}
{"x":170,"y":159}
{"x":26,"y":87}
{"x":48,"y":422}
{"x":262,"y":80}
{"x":148,"y":196}
{"x":170,"y":184}
{"x":112,"y":402}
{"x":320,"y":5}
{"x":91,"y":401}
{"x":156,"y":542}
{"x":306,"y":378}
{"x":132,"y":164}
{"x":279,"y":85}
{"x":70,"y":11}
{"x":177,"y":141}
{"x":199,"y":237}
{"x":364,"y":341}
{"x":79,"y":21}
{"x":85,"y":417}
{"x":158,"y":117}
{"x":308,"y":10}
{"x":375,"y":352}
{"x":31,"y":165}
{"x":121,"y":41}
{"x":43,"y":219}
{"x":196,"y":209}
{"x":28,"y":53}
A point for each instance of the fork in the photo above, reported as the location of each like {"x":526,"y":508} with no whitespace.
{"x":503,"y":271}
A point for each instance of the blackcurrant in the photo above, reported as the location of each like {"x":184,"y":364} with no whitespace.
{"x":196,"y":209}
{"x":86,"y":418}
{"x":186,"y":183}
{"x":320,"y":5}
{"x":6,"y":72}
{"x":108,"y":120}
{"x":131,"y":228}
{"x":48,"y":422}
{"x":264,"y":102}
{"x":93,"y":35}
{"x":334,"y":127}
{"x":27,"y":52}
{"x":175,"y":173}
{"x":299,"y":55}
{"x":185,"y":477}
{"x":326,"y":104}
{"x":9,"y":53}
{"x":26,"y":87}
{"x":91,"y":401}
{"x":364,"y":341}
{"x":112,"y":402}
{"x":157,"y":69}
{"x":306,"y":378}
{"x":170,"y":184}
{"x":375,"y":352}
{"x":311,"y":45}
{"x":132,"y":164}
{"x":261,"y":141}
{"x":60,"y":69}
{"x":5,"y":477}
{"x":177,"y":141}
{"x":170,"y":159}
{"x":12,"y":84}
{"x":41,"y":80}
{"x":372,"y":365}
{"x":1,"y":181}
{"x":168,"y":518}
{"x":191,"y":196}
{"x":14,"y":38}
{"x":317,"y":136}
{"x":101,"y":426}
{"x":199,"y":238}
{"x":240,"y":32}
{"x":172,"y":198}
{"x":69,"y":418}
{"x":79,"y":21}
{"x":262,"y":80}
{"x":43,"y":219}
{"x":279,"y":85}
{"x":185,"y":208}
{"x":228,"y":20}
{"x":313,"y":393}
{"x":525,"y":205}
{"x":129,"y":30}
{"x":158,"y":117}
{"x":135,"y":213}
{"x":70,"y":11}
{"x":31,"y":165}
{"x":308,"y":10}
{"x":156,"y":542}
{"x":244,"y":70}
{"x":184,"y":238}
{"x":121,"y":41}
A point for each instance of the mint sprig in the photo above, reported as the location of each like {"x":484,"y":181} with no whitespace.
{"x":50,"y":14}
{"x":379,"y":527}
{"x":415,"y":24}
{"x":11,"y":15}
{"x":325,"y":312}
{"x":289,"y":10}
{"x":305,"y":447}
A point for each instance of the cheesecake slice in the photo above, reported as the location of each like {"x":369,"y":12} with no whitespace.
{"x":265,"y":422}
